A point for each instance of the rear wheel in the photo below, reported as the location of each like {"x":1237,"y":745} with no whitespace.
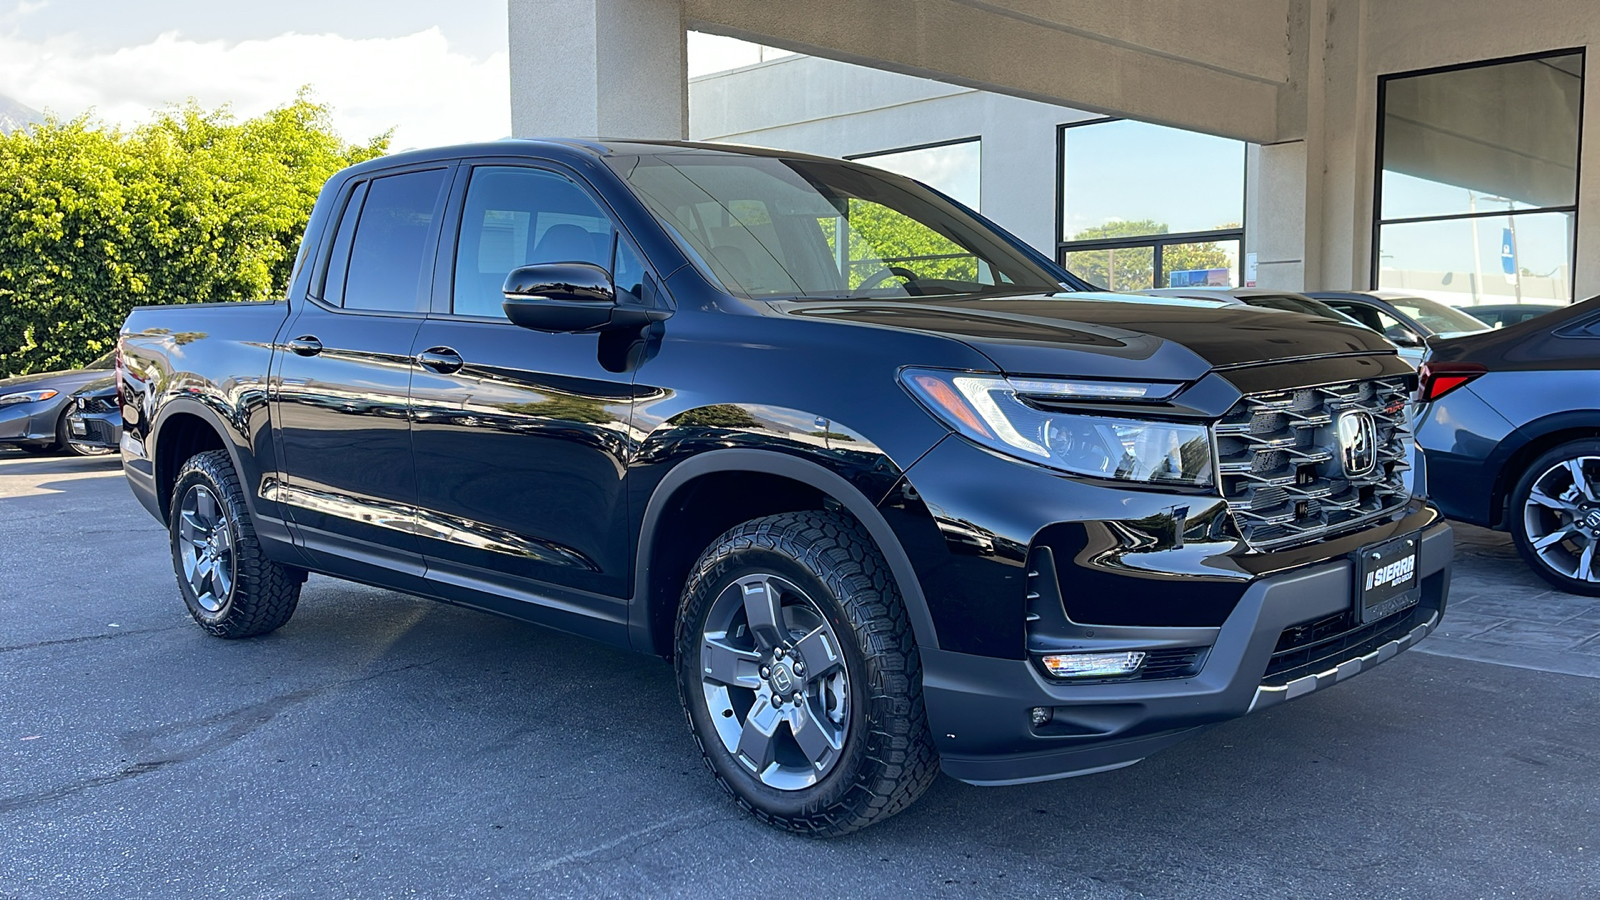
{"x":230,"y":587}
{"x":1555,"y":516}
{"x":800,"y":676}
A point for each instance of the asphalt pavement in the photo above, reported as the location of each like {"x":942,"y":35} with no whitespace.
{"x":385,"y":746}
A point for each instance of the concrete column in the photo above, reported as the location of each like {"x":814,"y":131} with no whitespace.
{"x":1275,"y":228}
{"x":598,"y":68}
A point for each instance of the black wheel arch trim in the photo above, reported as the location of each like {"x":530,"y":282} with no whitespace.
{"x":785,"y":466}
{"x":1523,"y":436}
{"x":270,"y":529}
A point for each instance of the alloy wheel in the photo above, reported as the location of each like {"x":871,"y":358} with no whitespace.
{"x":1562,"y":517}
{"x":205,"y":548}
{"x":775,"y":681}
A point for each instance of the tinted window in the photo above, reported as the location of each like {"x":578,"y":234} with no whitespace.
{"x":629,"y":274}
{"x":518,"y":217}
{"x":388,"y":268}
{"x":332,"y":287}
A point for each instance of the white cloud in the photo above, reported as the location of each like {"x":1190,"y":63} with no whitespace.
{"x":414,"y":84}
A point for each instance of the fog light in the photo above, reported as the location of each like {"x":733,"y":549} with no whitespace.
{"x":1040,"y":716}
{"x":1093,"y":665}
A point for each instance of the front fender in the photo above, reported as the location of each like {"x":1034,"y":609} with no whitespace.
{"x":817,"y":470}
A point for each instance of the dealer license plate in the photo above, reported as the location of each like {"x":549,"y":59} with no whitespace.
{"x":1387,"y":581}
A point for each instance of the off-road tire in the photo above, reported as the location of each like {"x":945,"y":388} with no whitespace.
{"x":263,"y":593}
{"x":888,"y":758}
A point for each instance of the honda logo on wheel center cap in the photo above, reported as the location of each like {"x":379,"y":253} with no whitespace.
{"x":1358,"y":442}
{"x":782,"y":680}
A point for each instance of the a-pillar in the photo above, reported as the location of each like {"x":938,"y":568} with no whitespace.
{"x":598,"y":68}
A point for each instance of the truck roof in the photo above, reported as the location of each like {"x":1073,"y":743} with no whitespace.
{"x":559,"y":148}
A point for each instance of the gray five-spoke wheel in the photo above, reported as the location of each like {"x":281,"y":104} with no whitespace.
{"x":205,"y":548}
{"x":775,"y":681}
{"x":1562,"y":517}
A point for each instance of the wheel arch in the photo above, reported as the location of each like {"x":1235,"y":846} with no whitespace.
{"x":658,"y":581}
{"x":1537,"y":438}
{"x":185,"y":427}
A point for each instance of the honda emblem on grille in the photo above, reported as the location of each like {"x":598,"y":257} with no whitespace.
{"x":1358,"y":442}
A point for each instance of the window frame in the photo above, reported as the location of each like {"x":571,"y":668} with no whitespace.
{"x":315,"y":285}
{"x":444,"y":272}
{"x":1377,"y":174}
{"x":1157,"y":242}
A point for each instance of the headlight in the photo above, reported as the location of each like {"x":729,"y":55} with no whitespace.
{"x":991,"y":410}
{"x":26,"y":397}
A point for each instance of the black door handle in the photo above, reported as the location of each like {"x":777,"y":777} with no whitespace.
{"x":440,"y":359}
{"x":305,"y":345}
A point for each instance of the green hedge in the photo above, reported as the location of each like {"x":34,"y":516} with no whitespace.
{"x":194,"y":207}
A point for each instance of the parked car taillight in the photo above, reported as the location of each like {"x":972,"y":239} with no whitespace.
{"x":1439,"y":378}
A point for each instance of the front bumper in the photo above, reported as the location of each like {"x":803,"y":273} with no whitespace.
{"x":102,"y":430}
{"x":29,"y":423}
{"x":979,"y":706}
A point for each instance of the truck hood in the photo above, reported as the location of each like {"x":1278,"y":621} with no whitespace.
{"x":1109,"y":335}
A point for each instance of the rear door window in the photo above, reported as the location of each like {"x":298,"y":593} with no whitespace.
{"x":389,"y":260}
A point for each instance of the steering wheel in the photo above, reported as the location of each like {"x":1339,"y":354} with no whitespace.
{"x":883,"y":275}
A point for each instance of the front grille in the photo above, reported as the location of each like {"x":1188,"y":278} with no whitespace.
{"x":97,"y":432}
{"x":99,"y":404}
{"x":1180,"y":662}
{"x":1317,"y":646}
{"x":1281,"y":464}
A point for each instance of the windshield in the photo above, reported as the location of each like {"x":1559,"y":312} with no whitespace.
{"x":1436,"y":317}
{"x":795,"y":229}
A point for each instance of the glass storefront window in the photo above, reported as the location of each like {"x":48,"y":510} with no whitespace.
{"x":1201,"y":264}
{"x":1145,"y":206}
{"x":1482,"y":139}
{"x":1114,"y":269}
{"x":952,"y":169}
{"x":1122,"y":178}
{"x":1472,"y":260}
{"x":1478,"y":180}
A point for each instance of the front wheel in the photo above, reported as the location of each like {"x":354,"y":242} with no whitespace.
{"x":1555,"y":516}
{"x":800,"y":676}
{"x":231,"y":588}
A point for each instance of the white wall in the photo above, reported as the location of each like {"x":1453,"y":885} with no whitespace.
{"x":831,"y":108}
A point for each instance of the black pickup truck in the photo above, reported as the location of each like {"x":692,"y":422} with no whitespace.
{"x":895,"y":493}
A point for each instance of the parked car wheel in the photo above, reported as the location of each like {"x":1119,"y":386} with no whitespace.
{"x":1555,"y":516}
{"x":231,"y":589}
{"x":800,"y":675}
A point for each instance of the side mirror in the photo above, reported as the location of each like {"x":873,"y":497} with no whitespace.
{"x":1405,"y":337}
{"x":569,"y":297}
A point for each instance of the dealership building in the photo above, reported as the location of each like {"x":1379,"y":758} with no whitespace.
{"x":1431,"y":146}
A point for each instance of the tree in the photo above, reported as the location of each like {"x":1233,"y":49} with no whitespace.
{"x":1133,"y":268}
{"x":192,"y":207}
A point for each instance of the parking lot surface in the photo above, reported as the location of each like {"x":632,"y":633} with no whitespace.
{"x":385,"y":746}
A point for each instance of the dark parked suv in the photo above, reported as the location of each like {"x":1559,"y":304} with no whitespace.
{"x":895,"y":494}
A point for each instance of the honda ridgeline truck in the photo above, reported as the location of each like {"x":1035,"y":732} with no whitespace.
{"x":894,"y":493}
